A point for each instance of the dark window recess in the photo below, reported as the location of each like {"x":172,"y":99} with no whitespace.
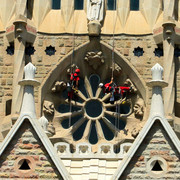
{"x":29,"y":6}
{"x":50,"y":50}
{"x":111,"y":4}
{"x":77,"y":135}
{"x":93,"y":139}
{"x":56,"y":4}
{"x":93,"y":108}
{"x":157,"y":167}
{"x":10,"y":49}
{"x":138,"y":51}
{"x":8,"y":107}
{"x":29,"y":50}
{"x":78,"y":4}
{"x":158,"y":52}
{"x":176,"y":52}
{"x":24,"y":166}
{"x":134,"y":5}
{"x":94,"y":80}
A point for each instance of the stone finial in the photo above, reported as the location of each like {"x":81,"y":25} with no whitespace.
{"x":29,"y":71}
{"x":157,"y":72}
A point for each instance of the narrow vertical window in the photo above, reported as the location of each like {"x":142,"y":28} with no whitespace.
{"x":111,"y":4}
{"x":134,"y":5}
{"x":56,"y":4}
{"x":78,"y":4}
{"x":29,"y":6}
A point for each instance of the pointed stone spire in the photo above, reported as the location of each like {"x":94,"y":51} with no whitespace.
{"x":28,"y":104}
{"x":157,"y":107}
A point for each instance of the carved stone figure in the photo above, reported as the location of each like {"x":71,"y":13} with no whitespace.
{"x":48,"y":107}
{"x":44,"y":123}
{"x":95,"y":59}
{"x":139,"y":108}
{"x":59,"y":86}
{"x":95,"y":10}
{"x":116,"y":70}
{"x":129,"y":83}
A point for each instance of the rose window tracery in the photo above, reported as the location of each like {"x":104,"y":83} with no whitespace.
{"x":90,"y":116}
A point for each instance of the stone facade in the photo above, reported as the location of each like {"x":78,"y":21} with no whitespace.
{"x":105,"y":41}
{"x":27,"y":145}
{"x":156,"y":144}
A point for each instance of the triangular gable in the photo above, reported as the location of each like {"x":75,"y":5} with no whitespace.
{"x":135,"y":146}
{"x":44,"y":141}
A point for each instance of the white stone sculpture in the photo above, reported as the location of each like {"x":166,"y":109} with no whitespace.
{"x":28,"y":104}
{"x":95,"y":10}
{"x":44,"y":123}
{"x":157,"y":107}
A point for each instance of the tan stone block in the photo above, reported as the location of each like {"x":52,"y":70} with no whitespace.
{"x":111,"y":164}
{"x":93,"y":169}
{"x":86,"y":163}
{"x":76,"y":170}
{"x":76,"y":163}
{"x":3,"y":81}
{"x":94,"y":162}
{"x":126,"y":52}
{"x":128,"y":44}
{"x":86,"y":170}
{"x":102,"y":163}
{"x":63,"y":51}
{"x":93,"y":176}
{"x":110,"y":170}
{"x":9,"y":81}
{"x":66,"y":162}
{"x":102,"y":170}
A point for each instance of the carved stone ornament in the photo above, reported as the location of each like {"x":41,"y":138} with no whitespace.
{"x":48,"y":108}
{"x":139,"y":108}
{"x":116,"y":69}
{"x":95,"y":59}
{"x":59,"y":86}
{"x":95,"y":10}
{"x":47,"y":127}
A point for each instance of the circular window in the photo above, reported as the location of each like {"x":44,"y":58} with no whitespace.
{"x":93,"y":108}
{"x":90,"y":116}
{"x":24,"y":165}
{"x":157,"y":166}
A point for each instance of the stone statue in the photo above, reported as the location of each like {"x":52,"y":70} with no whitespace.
{"x":139,"y":108}
{"x":95,"y":10}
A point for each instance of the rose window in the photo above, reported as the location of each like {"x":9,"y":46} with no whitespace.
{"x":89,"y":116}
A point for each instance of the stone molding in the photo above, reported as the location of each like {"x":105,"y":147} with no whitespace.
{"x":84,"y":151}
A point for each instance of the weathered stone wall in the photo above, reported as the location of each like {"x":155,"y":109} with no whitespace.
{"x":156,"y":143}
{"x":64,"y":44}
{"x":27,"y":145}
{"x":91,"y":168}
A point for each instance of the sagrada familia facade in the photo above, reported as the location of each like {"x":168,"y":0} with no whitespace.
{"x":57,"y":122}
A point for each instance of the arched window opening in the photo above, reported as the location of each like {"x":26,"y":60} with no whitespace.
{"x":79,"y":4}
{"x":8,"y":107}
{"x":134,"y":5}
{"x":111,"y":4}
{"x":56,"y":4}
{"x":29,"y":7}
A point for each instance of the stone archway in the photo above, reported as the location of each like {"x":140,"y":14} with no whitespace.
{"x":95,"y":61}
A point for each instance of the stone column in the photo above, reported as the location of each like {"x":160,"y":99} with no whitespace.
{"x":169,"y":67}
{"x":21,"y":8}
{"x":28,"y":104}
{"x":19,"y":62}
{"x":157,"y":107}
